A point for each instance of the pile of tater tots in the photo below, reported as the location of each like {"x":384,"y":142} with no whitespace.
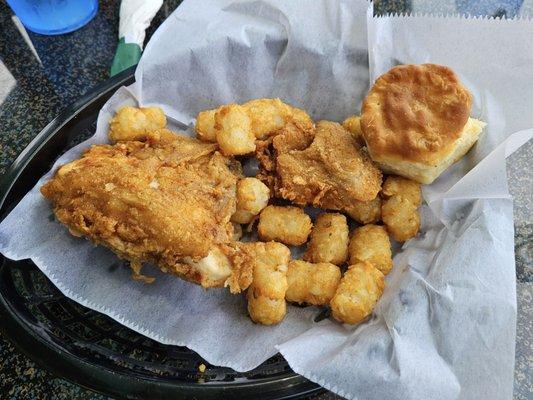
{"x":340,"y":269}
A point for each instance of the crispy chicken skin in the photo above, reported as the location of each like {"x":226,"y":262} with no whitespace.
{"x":168,"y":201}
{"x":330,"y":173}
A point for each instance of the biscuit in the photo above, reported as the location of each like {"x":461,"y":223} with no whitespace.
{"x":415,"y":121}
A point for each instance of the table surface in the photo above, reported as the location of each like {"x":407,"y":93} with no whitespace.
{"x":41,"y":75}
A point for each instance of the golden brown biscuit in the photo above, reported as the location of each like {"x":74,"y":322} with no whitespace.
{"x":312,"y":283}
{"x":371,"y":243}
{"x":329,"y":240}
{"x":357,"y":294}
{"x":415,"y":121}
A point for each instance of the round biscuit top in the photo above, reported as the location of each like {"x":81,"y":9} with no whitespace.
{"x":415,"y":113}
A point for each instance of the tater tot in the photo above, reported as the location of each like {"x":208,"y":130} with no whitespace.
{"x":400,"y":217}
{"x":270,"y":115}
{"x":357,"y":294}
{"x":408,"y":189}
{"x":252,"y":197}
{"x":289,"y":225}
{"x":353,"y":125}
{"x":366,"y":212}
{"x":371,"y":243}
{"x":205,"y":126}
{"x":399,"y":208}
{"x":234,"y":130}
{"x":329,"y":240}
{"x":266,"y":294}
{"x":132,"y":123}
{"x":312,"y":283}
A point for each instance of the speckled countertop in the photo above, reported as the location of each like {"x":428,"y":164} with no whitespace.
{"x":34,"y":89}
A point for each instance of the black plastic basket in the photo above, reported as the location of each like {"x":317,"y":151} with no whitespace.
{"x":87,"y":347}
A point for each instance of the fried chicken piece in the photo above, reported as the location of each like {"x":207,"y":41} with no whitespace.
{"x":365,"y":212}
{"x":266,"y":294}
{"x":331,"y":173}
{"x":357,"y":294}
{"x":312,"y":283}
{"x":293,"y":136}
{"x":371,"y":243}
{"x":400,"y":207}
{"x":131,"y":123}
{"x":252,"y":197}
{"x":329,"y":240}
{"x":289,"y":225}
{"x":167,"y":201}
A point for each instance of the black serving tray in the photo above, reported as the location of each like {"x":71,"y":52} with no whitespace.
{"x":89,"y":348}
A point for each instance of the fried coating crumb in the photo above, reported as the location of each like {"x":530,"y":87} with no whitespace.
{"x":266,"y":294}
{"x":353,"y":125}
{"x":132,"y":123}
{"x":329,"y":240}
{"x":289,"y":225}
{"x":400,"y":207}
{"x":357,"y":294}
{"x":371,"y":243}
{"x":252,"y":197}
{"x":312,"y":283}
{"x":365,"y":212}
{"x":233,"y":129}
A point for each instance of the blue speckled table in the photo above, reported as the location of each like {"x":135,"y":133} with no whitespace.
{"x":36,"y":83}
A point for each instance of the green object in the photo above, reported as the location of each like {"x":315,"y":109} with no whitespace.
{"x":127,"y":54}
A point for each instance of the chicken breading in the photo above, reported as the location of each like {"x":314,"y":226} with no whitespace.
{"x":167,"y":201}
{"x":331,"y":173}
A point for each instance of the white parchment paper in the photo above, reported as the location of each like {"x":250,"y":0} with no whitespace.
{"x":445,"y":327}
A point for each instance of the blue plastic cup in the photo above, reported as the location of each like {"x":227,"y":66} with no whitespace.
{"x":54,"y":17}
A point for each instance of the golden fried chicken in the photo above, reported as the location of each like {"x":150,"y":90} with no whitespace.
{"x":330,"y":173}
{"x":167,"y":201}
